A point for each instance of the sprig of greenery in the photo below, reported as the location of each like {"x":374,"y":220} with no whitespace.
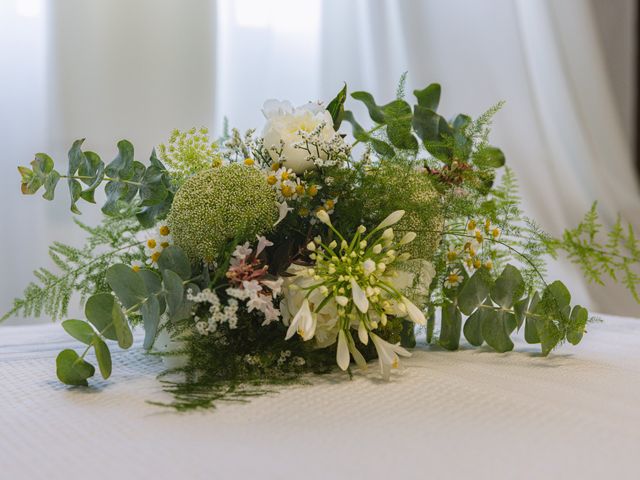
{"x":82,"y":270}
{"x":614,"y":254}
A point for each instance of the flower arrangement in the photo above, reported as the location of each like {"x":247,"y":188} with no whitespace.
{"x":262,"y":258}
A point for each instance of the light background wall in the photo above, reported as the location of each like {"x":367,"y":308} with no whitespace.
{"x":107,"y":70}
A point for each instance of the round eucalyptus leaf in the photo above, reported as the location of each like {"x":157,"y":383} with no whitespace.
{"x":99,"y":311}
{"x":73,"y":370}
{"x":128,"y":285}
{"x":173,"y":258}
{"x":80,"y":330}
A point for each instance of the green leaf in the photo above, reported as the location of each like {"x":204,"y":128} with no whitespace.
{"x":433,"y":129}
{"x":473,"y":327}
{"x":358,"y":132}
{"x":429,"y":97}
{"x":50,"y":183}
{"x":375,"y":112}
{"x":153,"y":284}
{"x":530,"y":327}
{"x":93,"y":169}
{"x":382,"y":148}
{"x":408,"y":334}
{"x":508,"y":288}
{"x":173,"y":258}
{"x":151,"y":317}
{"x":474,"y":291}
{"x":153,"y":190}
{"x":73,"y":370}
{"x":80,"y":330}
{"x":98,"y":310}
{"x":76,"y":158}
{"x":174,"y":291}
{"x":103,"y":355}
{"x":577,"y":324}
{"x":555,"y":297}
{"x":336,"y":107}
{"x":450,"y":327}
{"x":127,"y":285}
{"x":121,"y":326}
{"x":496,"y":326}
{"x":398,"y":117}
{"x":520,"y":310}
{"x":491,"y":157}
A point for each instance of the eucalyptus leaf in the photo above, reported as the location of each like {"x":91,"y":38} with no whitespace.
{"x":398,"y":117}
{"x":80,"y":330}
{"x":128,"y":285}
{"x":429,"y":97}
{"x":121,"y":326}
{"x":451,"y":325}
{"x":98,"y":310}
{"x":474,"y":291}
{"x":508,"y":287}
{"x":151,"y":317}
{"x":103,"y":355}
{"x":375,"y":112}
{"x":577,"y":324}
{"x":496,"y":326}
{"x":473,"y":327}
{"x":73,"y":370}
{"x":173,"y":258}
{"x":174,"y":291}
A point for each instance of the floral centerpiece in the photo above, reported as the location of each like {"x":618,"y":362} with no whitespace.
{"x":257,"y":259}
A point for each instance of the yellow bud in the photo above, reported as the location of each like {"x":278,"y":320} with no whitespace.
{"x":249,"y":162}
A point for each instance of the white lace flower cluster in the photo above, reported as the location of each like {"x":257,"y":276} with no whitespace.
{"x":217,"y":313}
{"x":354,"y":285}
{"x":250,"y":284}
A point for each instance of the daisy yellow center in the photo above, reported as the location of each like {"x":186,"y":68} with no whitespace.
{"x":329,"y":204}
{"x":287,"y":191}
{"x":312,"y":191}
{"x":155,"y":256}
{"x":151,"y":243}
{"x":136,"y":268}
{"x":164,"y":230}
{"x":453,"y":278}
{"x":271,"y":179}
{"x":299,"y":189}
{"x":284,"y":175}
{"x":248,"y":161}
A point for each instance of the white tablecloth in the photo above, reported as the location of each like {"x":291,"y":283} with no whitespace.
{"x":472,"y":413}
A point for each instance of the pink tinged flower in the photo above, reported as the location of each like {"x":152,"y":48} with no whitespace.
{"x":262,"y":244}
{"x":359,"y":297}
{"x":252,"y":287}
{"x":304,"y":323}
{"x":274,"y":285}
{"x":258,"y":302}
{"x":271,"y":314}
{"x":242,"y":251}
{"x":414,"y":313}
{"x":387,"y":355}
{"x":342,"y":353}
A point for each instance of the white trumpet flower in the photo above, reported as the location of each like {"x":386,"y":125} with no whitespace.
{"x":359,"y":297}
{"x":388,"y":355}
{"x":304,"y":323}
{"x":414,"y":313}
{"x":342,"y":353}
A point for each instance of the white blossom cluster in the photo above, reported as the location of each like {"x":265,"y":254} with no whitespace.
{"x":218,"y":314}
{"x":322,"y":152}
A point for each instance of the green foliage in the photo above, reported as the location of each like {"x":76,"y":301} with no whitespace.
{"x":497,"y":307}
{"x":81,"y":270}
{"x":126,"y":180}
{"x":614,"y":254}
{"x":219,"y":205}
{"x":188,"y":153}
{"x":336,"y":107}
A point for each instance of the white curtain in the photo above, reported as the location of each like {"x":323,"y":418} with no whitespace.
{"x":107,"y":70}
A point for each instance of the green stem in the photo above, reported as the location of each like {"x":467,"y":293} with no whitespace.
{"x":368,"y":133}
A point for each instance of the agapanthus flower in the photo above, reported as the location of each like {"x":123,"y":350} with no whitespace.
{"x":354,"y":285}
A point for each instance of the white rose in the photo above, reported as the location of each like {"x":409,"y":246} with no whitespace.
{"x":284,"y":122}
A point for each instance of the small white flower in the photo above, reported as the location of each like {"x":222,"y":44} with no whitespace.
{"x":274,"y":285}
{"x":363,"y":334}
{"x":387,"y":234}
{"x":323,"y":216}
{"x":342,"y":353}
{"x":304,"y":323}
{"x":415,"y":314}
{"x":392,"y":219}
{"x":283,"y":211}
{"x":453,"y":279}
{"x":369,"y":266}
{"x":359,"y":297}
{"x":262,"y":244}
{"x":408,"y":238}
{"x":342,"y":300}
{"x":242,"y":251}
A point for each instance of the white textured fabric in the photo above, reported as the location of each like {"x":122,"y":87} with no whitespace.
{"x":471,"y":413}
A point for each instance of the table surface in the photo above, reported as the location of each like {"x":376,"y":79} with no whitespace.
{"x":472,"y":413}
